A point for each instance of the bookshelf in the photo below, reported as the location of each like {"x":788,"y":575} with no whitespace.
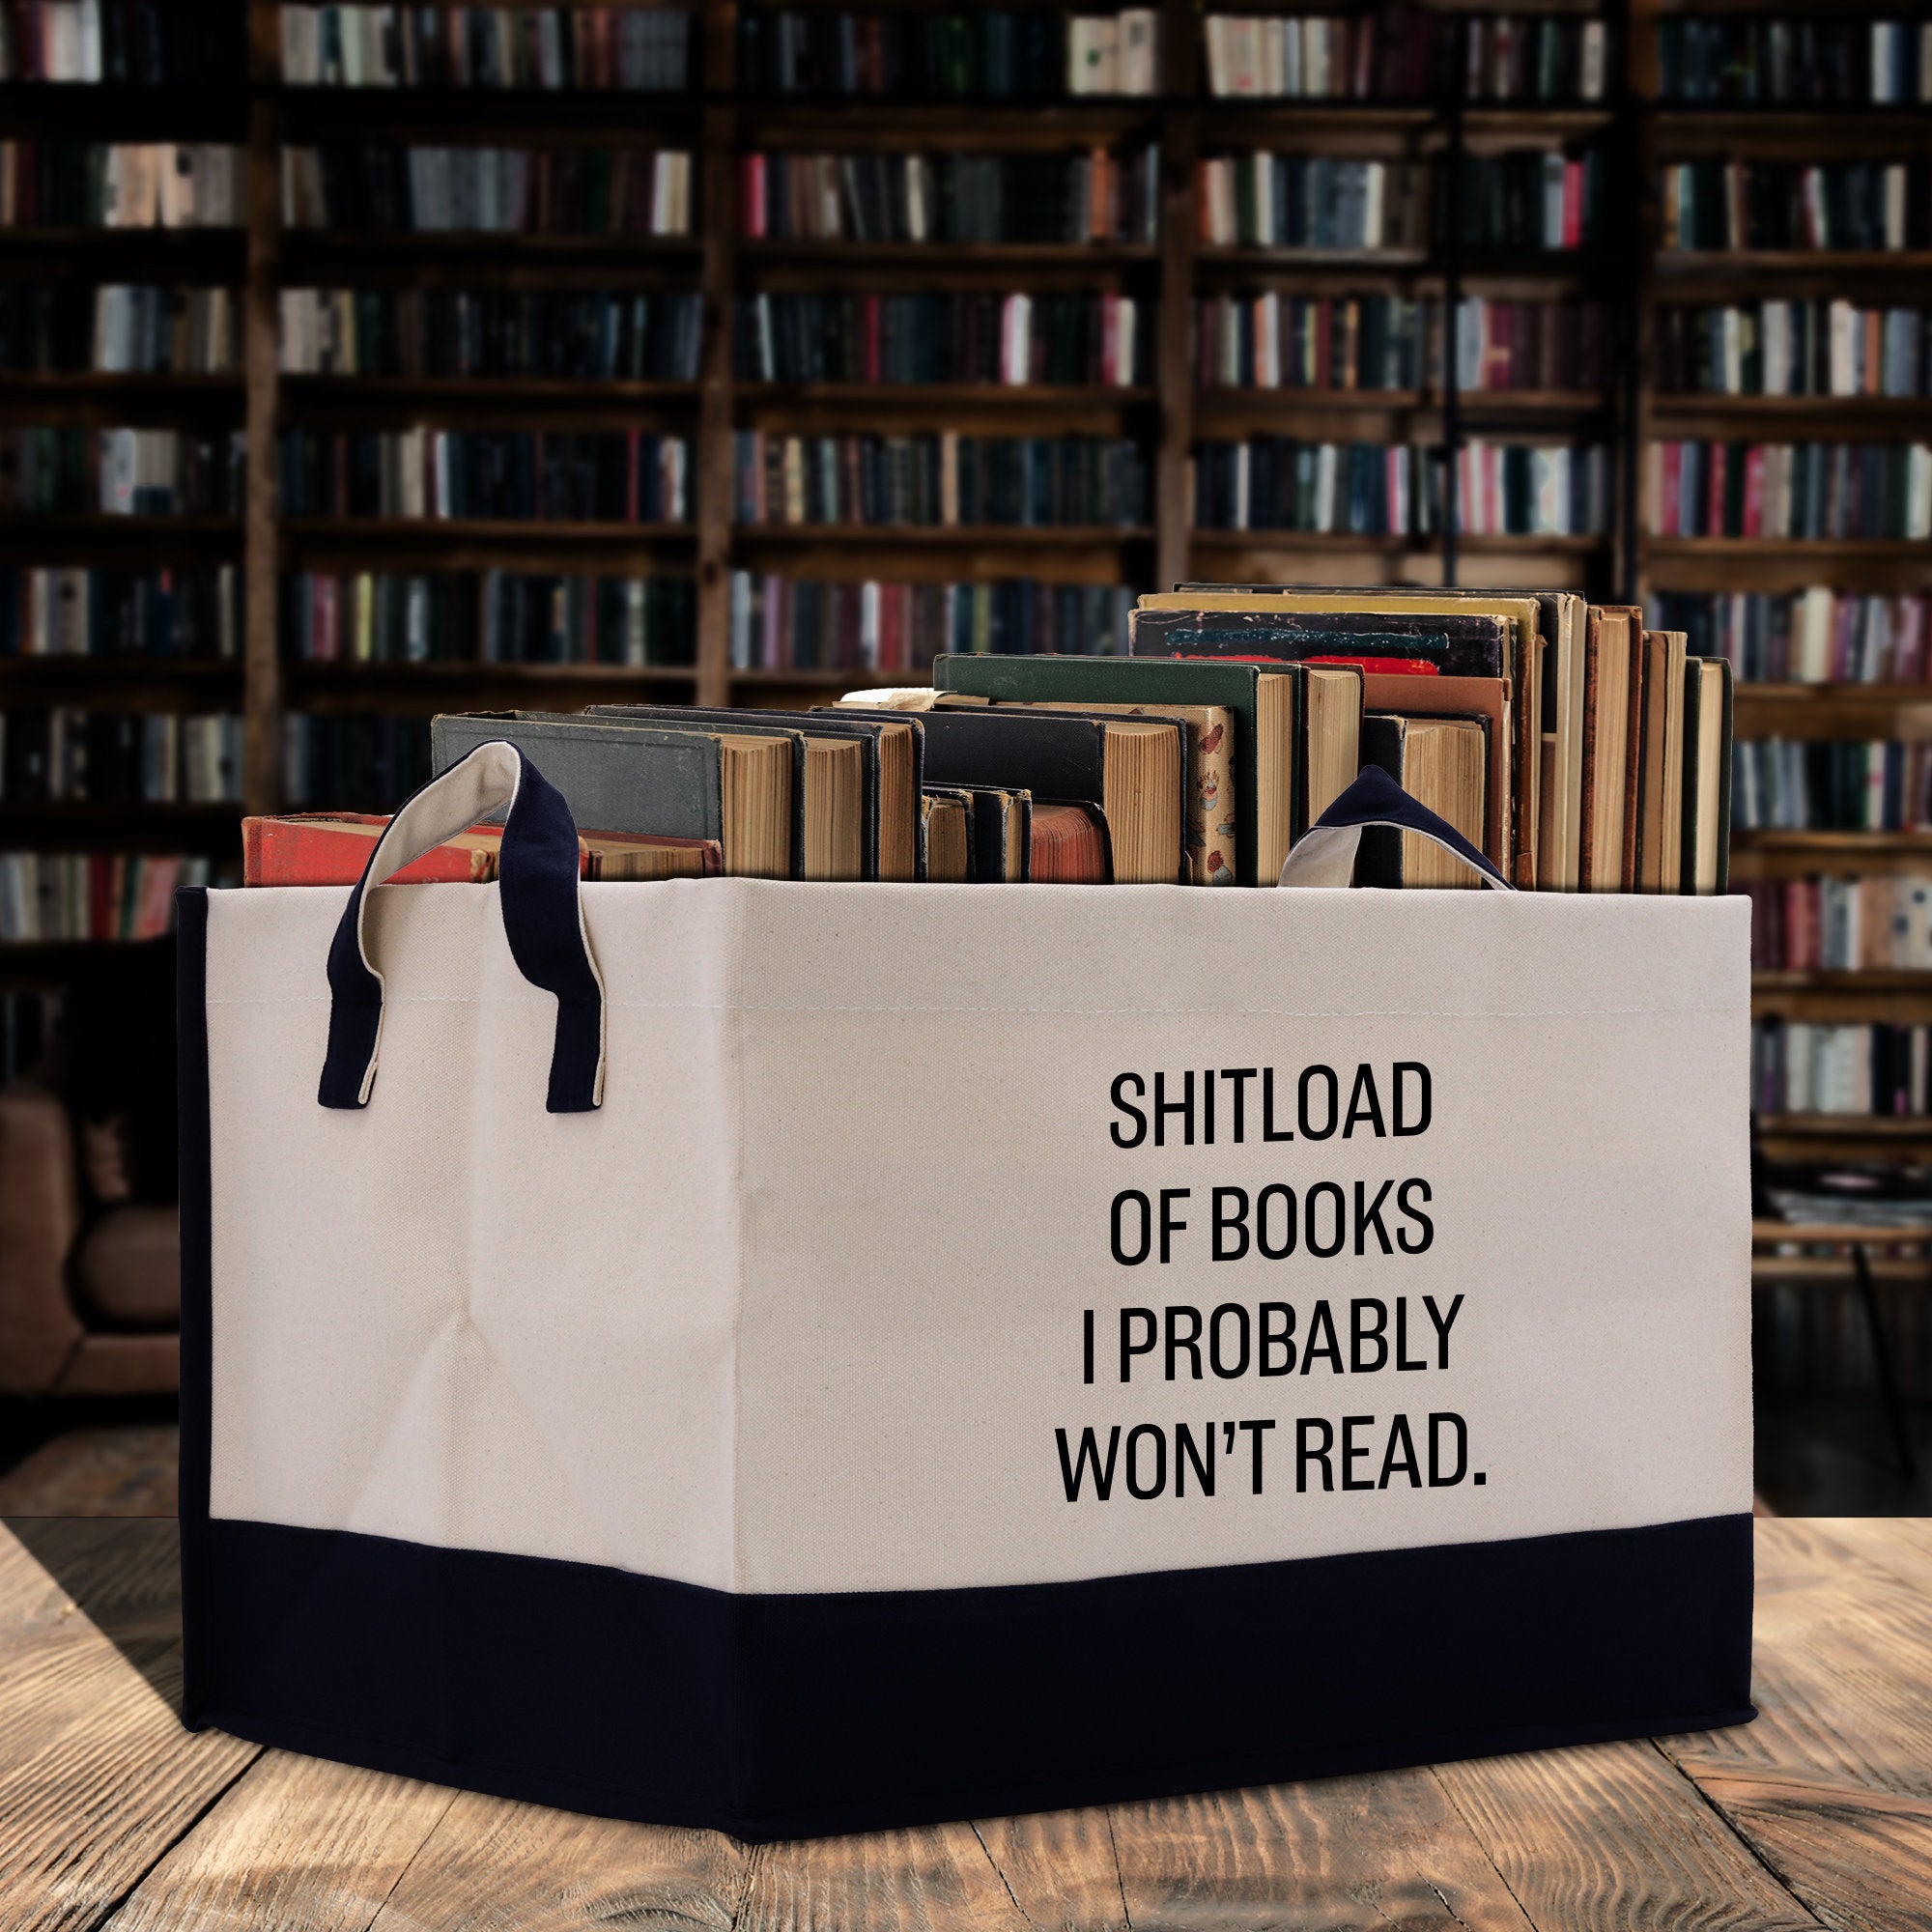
{"x":1792,"y":133}
{"x":1173,"y":406}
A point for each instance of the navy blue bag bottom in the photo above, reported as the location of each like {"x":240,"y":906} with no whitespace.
{"x":774,"y":1717}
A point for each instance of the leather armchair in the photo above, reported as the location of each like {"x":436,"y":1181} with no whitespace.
{"x":84,"y":1310}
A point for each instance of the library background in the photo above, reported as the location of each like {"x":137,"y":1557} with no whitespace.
{"x":361,"y":362}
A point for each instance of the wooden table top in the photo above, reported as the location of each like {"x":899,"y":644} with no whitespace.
{"x":1819,"y":1814}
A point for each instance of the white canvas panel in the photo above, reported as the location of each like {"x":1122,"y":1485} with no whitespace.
{"x":802,"y":1307}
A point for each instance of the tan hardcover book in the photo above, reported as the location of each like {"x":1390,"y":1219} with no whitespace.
{"x":1659,"y":830}
{"x":948,"y":827}
{"x":1486,"y":698}
{"x":1565,"y":617}
{"x":1612,"y":638}
{"x":1331,"y":734}
{"x":1441,"y":763}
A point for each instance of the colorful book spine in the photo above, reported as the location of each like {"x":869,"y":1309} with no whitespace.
{"x":780,"y":623}
{"x":55,"y":897}
{"x":1804,"y":491}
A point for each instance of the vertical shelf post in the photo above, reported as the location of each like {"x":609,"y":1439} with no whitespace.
{"x":1451,"y":307}
{"x":1174,"y":365}
{"x":717,"y":203}
{"x":262,"y":776}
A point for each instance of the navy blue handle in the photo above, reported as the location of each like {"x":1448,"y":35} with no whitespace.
{"x":537,"y":880}
{"x":1325,"y":854}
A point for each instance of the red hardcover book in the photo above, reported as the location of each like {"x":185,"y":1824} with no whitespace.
{"x":1714,"y":494}
{"x":330,"y":848}
{"x":1754,"y":491}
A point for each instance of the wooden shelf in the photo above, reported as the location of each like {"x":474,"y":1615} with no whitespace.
{"x":412,"y":690}
{"x":1848,"y":1127}
{"x":122,"y":683}
{"x":583,"y":394}
{"x":859,"y":678}
{"x":121,"y":828}
{"x":1343,"y":541}
{"x":458,"y":530}
{"x":1796,"y":411}
{"x":888,"y":396}
{"x":1015,"y":256}
{"x":1834,"y":845}
{"x":1476,"y":403}
{"x":1673,"y":262}
{"x":1864,"y":980}
{"x":53,"y":962}
{"x":1045,"y":536}
{"x":49,"y":385}
{"x":1824,"y":550}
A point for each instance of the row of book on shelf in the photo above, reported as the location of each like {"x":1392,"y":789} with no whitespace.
{"x":1813,"y":348}
{"x":118,"y":330}
{"x":992,"y":53}
{"x":625,"y":476}
{"x":1065,"y":337}
{"x":53,"y":898}
{"x":1814,"y":636}
{"x":642,"y":49}
{"x":635,"y":192}
{"x":1576,"y":749}
{"x":940,"y":479}
{"x":69,"y":470}
{"x":1272,"y":340}
{"x":1391,"y":53}
{"x":490,"y":616}
{"x":61,"y":184}
{"x":1875,"y":207}
{"x":1832,"y":784}
{"x":1535,"y":199}
{"x":1815,"y":492}
{"x":1847,"y":62}
{"x":1530,"y":199}
{"x":122,"y":43}
{"x":1800,"y":1066}
{"x":1878,"y":923}
{"x":640,"y":335}
{"x":104,"y":612}
{"x":1406,"y":53}
{"x":59,"y":754}
{"x":1373,"y":489}
{"x":1265,"y":339}
{"x":790,"y":623}
{"x":1094,"y":196}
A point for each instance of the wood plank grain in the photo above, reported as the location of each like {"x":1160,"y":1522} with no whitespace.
{"x":1060,"y":1869}
{"x":1330,"y":1854}
{"x":933,"y":1879}
{"x":1901,"y":1546}
{"x":297,"y":1844}
{"x":490,"y":1862}
{"x":96,"y":1776}
{"x":1610,"y":1836}
{"x":1833,"y":1784}
{"x":1841,"y":1650}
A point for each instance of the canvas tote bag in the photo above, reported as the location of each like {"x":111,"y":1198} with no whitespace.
{"x":799,"y":1357}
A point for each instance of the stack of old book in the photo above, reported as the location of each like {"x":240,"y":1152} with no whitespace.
{"x":1580,"y":752}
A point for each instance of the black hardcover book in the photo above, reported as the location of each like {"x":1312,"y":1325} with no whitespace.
{"x":1458,"y":646}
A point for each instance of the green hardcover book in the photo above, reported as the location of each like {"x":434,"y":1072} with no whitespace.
{"x":1267,"y":700}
